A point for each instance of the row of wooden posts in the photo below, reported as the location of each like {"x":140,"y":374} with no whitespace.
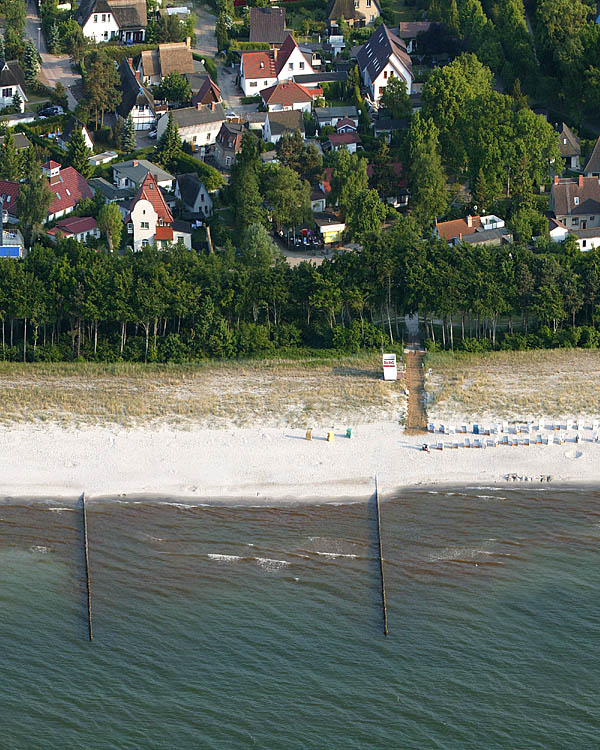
{"x":89,"y":583}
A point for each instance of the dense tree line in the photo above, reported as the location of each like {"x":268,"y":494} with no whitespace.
{"x":71,"y":301}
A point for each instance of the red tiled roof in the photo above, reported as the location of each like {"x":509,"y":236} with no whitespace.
{"x":286,"y":94}
{"x":163,"y":233}
{"x":251,"y":64}
{"x":410,"y":29}
{"x":10,"y":192}
{"x":50,"y":165}
{"x":69,"y":190}
{"x":150,"y":191}
{"x":286,"y":50}
{"x":346,"y":121}
{"x":343,"y":139}
{"x":449,"y":230}
{"x":74,"y":225}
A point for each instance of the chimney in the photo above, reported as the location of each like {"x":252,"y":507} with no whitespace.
{"x":135,"y":162}
{"x":580,"y":180}
{"x":556,"y":179}
{"x":137,"y":76}
{"x":198,"y":104}
{"x":188,"y":42}
{"x":460,"y":235}
{"x":469,"y":221}
{"x":130,"y":61}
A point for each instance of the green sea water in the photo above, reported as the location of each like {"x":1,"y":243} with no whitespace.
{"x":248,"y":627}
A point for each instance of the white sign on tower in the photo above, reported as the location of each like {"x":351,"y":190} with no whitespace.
{"x":390,"y":371}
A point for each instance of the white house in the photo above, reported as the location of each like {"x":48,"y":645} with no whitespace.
{"x":278,"y":123}
{"x":196,"y":199}
{"x":65,"y":137}
{"x":12,"y":81}
{"x":288,"y":95}
{"x":262,"y":69}
{"x":97,"y":20}
{"x":198,"y":126}
{"x":382,"y":58}
{"x":79,"y":228}
{"x":136,"y":100}
{"x":102,"y":20}
{"x":150,"y":221}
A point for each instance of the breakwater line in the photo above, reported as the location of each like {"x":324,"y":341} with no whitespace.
{"x":87,"y":567}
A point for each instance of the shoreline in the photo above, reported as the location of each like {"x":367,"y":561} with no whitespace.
{"x":264,"y":465}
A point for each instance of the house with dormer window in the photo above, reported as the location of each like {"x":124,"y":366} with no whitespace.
{"x":356,"y":13}
{"x":102,"y":20}
{"x":382,"y":58}
{"x":69,"y":187}
{"x":262,"y":69}
{"x":150,"y":221}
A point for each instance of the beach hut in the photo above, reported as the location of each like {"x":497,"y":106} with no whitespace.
{"x":475,"y":429}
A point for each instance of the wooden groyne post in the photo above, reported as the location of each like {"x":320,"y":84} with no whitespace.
{"x":87,"y":567}
{"x":381,"y":570}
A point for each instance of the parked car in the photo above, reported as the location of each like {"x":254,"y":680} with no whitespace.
{"x":152,"y":133}
{"x":51,"y":111}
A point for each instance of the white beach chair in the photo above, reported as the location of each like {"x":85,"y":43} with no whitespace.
{"x":440,"y":445}
{"x":497,"y":428}
{"x":505,"y":427}
{"x":454,"y":444}
{"x":505,"y":440}
{"x":544,"y":439}
{"x":467,"y":442}
{"x":569,"y":424}
{"x":595,"y":425}
{"x":579,"y":424}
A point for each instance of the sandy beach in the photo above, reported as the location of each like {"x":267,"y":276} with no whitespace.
{"x":265,"y":465}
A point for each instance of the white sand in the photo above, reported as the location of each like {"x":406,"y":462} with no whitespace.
{"x":262,"y":465}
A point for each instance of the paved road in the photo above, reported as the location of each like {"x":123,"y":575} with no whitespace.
{"x":54,"y":67}
{"x":206,"y":42}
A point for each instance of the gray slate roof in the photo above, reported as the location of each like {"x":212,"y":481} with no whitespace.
{"x":21,"y":141}
{"x":334,"y":75}
{"x":374,"y":55}
{"x":593,"y":163}
{"x":267,"y":25}
{"x":284,"y":122}
{"x":189,"y":116}
{"x":109,"y":191}
{"x":326,"y":113}
{"x":189,"y":187}
{"x":136,"y":169}
{"x":133,"y":92}
{"x":565,"y":191}
{"x":12,"y":75}
{"x":572,"y":147}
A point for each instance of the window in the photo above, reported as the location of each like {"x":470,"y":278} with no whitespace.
{"x":564,"y":141}
{"x":356,"y":4}
{"x":385,"y":73}
{"x":202,"y":197}
{"x":228,"y":160}
{"x":104,"y":18}
{"x":575,"y":221}
{"x":6,"y":93}
{"x":194,"y":137}
{"x":576,"y":199}
{"x":253,"y":84}
{"x":108,"y":16}
{"x":290,"y":66}
{"x":266,"y":83}
{"x":368,"y":3}
{"x":301,"y":66}
{"x":95,"y":19}
{"x":145,"y":243}
{"x":584,"y":243}
{"x":371,"y":19}
{"x":145,"y":225}
{"x":592,"y":218}
{"x":208,"y":137}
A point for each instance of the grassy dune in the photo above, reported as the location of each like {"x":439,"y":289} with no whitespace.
{"x":513,"y":385}
{"x":215,"y":394}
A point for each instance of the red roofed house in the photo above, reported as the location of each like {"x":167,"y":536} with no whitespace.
{"x":75,"y":227}
{"x":68,"y":186}
{"x":343,"y":140}
{"x":475,"y":230}
{"x":260,"y":70}
{"x":9,"y":192}
{"x":289,"y":95}
{"x":150,"y":221}
{"x":346,"y":125}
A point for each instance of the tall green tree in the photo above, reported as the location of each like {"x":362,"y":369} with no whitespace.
{"x":35,"y":198}
{"x":395,"y":98}
{"x":426,"y":178}
{"x":110,"y":223}
{"x":78,"y":153}
{"x":31,"y":63}
{"x":168,"y":148}
{"x":128,"y":134}
{"x":10,"y":161}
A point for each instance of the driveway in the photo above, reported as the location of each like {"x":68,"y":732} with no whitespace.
{"x":232,"y":94}
{"x":55,"y":68}
{"x":206,"y":42}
